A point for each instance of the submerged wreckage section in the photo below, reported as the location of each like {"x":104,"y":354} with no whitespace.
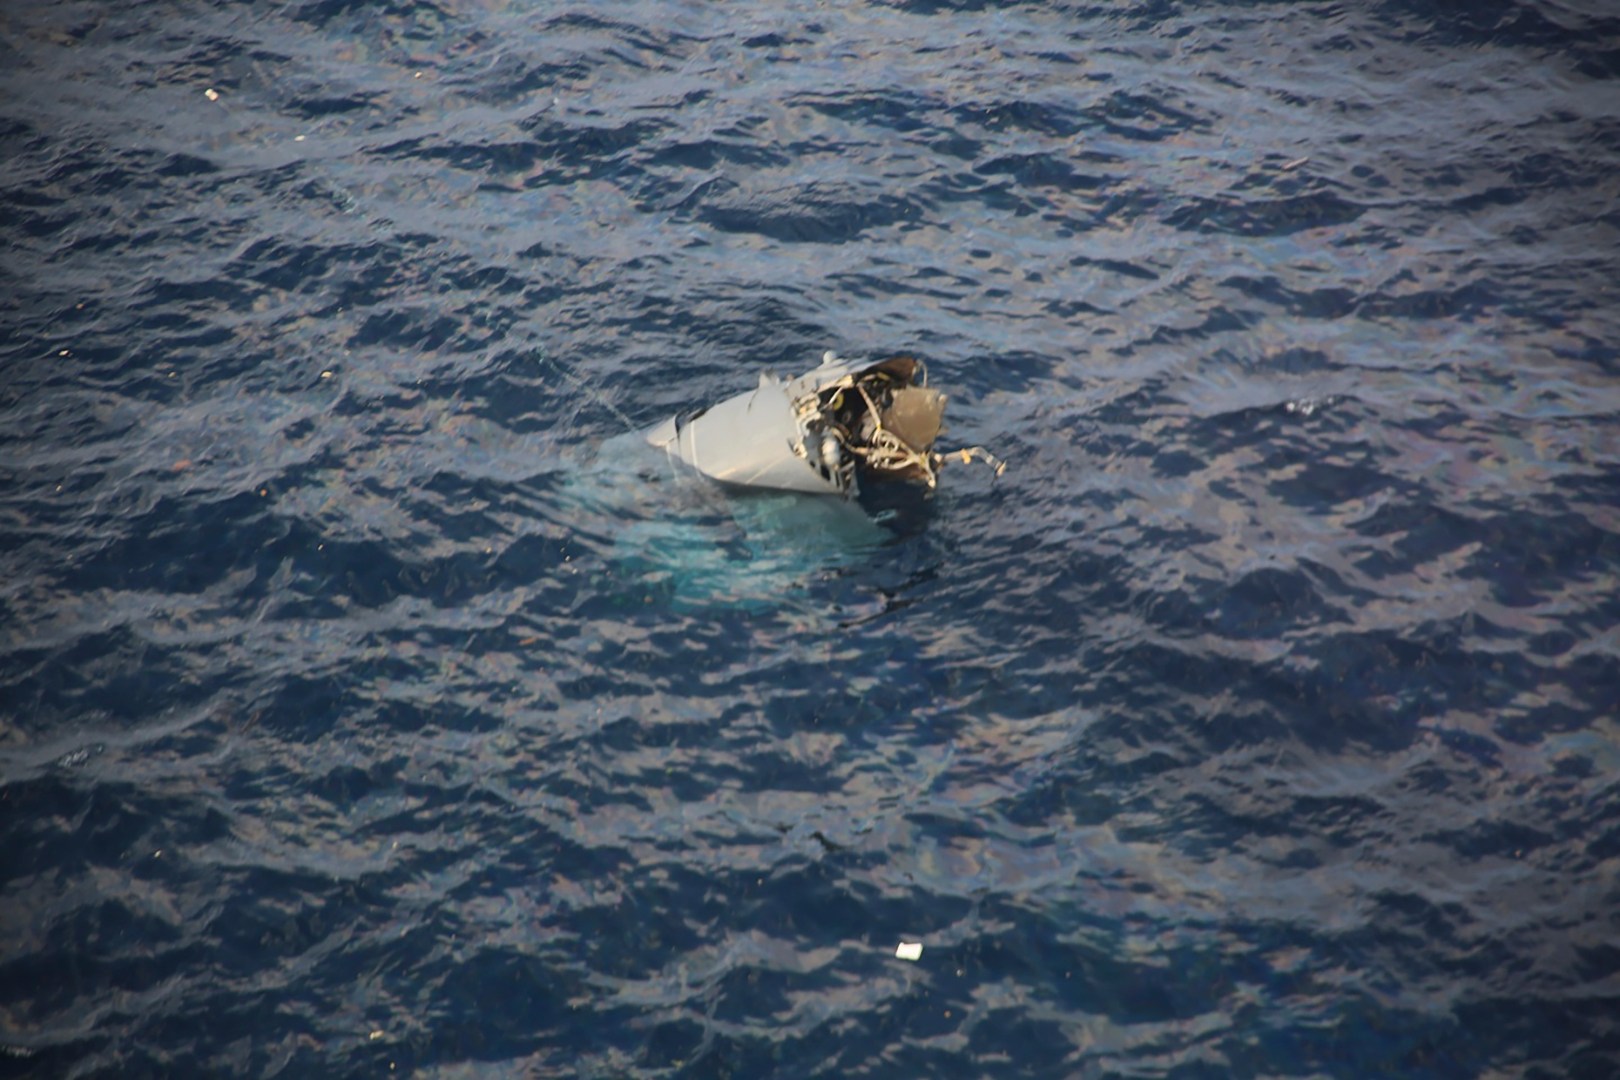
{"x":824,"y":432}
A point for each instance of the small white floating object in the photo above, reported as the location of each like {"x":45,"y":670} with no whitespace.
{"x":908,"y":950}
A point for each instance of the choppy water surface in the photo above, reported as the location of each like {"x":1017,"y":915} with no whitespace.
{"x":365,"y":708}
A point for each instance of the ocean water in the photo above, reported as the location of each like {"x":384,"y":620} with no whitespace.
{"x":369,"y":707}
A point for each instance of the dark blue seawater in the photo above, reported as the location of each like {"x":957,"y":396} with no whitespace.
{"x":368,"y":707}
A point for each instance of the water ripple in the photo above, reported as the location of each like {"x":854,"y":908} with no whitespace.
{"x":371,"y":699}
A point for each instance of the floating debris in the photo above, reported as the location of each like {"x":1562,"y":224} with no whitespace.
{"x":824,"y":432}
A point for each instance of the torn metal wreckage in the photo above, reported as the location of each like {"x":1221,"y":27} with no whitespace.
{"x":825,"y":432}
